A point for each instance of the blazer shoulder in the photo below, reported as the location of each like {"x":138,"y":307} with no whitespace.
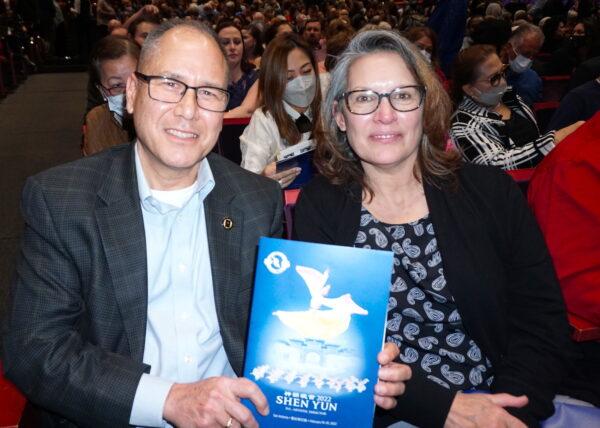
{"x":85,"y":175}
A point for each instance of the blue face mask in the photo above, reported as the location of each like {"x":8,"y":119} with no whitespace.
{"x":520,"y":63}
{"x":116,"y":104}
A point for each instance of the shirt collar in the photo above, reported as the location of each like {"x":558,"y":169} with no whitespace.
{"x":294,"y":114}
{"x":204,"y":184}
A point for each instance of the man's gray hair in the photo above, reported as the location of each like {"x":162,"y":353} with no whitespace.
{"x":523,"y":31}
{"x":153,"y":39}
{"x":365,"y":43}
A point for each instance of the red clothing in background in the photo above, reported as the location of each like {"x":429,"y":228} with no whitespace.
{"x":564,"y":194}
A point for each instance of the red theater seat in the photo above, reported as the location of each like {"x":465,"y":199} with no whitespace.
{"x":11,"y":403}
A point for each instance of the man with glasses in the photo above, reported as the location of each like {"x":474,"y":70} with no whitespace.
{"x":137,"y":264}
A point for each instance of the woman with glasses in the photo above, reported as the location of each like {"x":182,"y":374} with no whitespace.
{"x":113,"y":60}
{"x":474,"y":304}
{"x":492,"y":124}
{"x":242,"y":74}
{"x":290,"y":90}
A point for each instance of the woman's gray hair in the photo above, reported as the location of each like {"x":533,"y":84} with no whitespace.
{"x":365,"y":43}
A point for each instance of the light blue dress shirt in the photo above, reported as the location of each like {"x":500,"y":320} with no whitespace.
{"x":183,"y":341}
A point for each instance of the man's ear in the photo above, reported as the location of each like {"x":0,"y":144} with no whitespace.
{"x":339,"y":116}
{"x":131,"y":91}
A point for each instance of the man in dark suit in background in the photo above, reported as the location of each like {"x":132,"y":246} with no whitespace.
{"x":132,"y":293}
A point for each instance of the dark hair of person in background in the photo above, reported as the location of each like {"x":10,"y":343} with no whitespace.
{"x":466,"y":70}
{"x":491,"y":31}
{"x":273,"y":80}
{"x":108,"y":48}
{"x":416,"y":33}
{"x":256,"y":31}
{"x":553,"y":38}
{"x":145,"y":17}
{"x":336,"y":26}
{"x":271,"y":31}
{"x":335,"y":160}
{"x":225,"y":23}
{"x":336,"y":44}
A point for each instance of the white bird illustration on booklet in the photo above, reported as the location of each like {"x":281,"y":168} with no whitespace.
{"x":314,"y":322}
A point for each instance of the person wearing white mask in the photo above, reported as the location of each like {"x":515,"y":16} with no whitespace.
{"x":425,"y":40}
{"x":113,"y":60}
{"x":492,"y":125}
{"x":290,"y":93}
{"x":523,"y":45}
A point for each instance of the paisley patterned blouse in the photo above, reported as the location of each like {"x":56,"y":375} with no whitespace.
{"x":423,"y":319}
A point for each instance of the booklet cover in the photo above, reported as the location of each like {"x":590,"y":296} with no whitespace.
{"x":316,"y":326}
{"x":299,"y":155}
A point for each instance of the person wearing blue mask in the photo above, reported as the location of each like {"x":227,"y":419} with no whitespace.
{"x":113,"y":60}
{"x":492,"y":125}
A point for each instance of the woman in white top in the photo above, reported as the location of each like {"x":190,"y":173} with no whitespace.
{"x":291,"y":107}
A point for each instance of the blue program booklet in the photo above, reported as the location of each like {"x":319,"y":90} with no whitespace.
{"x":301,"y":156}
{"x":316,"y":326}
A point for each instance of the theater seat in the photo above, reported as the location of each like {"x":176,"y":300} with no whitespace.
{"x":12,"y":403}
{"x":228,"y":144}
{"x":582,"y":330}
{"x":289,"y":202}
{"x":554,"y":87}
{"x":522,"y":177}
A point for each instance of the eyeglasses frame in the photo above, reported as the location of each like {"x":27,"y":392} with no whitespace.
{"x":148,"y":78}
{"x":422,"y":90}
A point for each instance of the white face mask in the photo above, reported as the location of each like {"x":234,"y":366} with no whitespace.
{"x":492,"y":97}
{"x":520,"y":63}
{"x":426,"y":54}
{"x":116,"y":104}
{"x":300,"y":91}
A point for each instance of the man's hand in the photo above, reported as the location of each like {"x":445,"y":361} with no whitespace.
{"x":484,"y":410}
{"x":391,"y":377}
{"x":212,"y":402}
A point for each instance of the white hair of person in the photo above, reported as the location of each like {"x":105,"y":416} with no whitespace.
{"x":523,"y":31}
{"x":494,"y":10}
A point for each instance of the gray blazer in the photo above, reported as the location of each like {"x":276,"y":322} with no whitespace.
{"x":74,"y":337}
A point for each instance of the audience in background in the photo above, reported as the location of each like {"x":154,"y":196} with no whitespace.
{"x":114,"y":59}
{"x":492,"y":125}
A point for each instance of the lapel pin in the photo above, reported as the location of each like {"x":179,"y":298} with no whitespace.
{"x":227,"y":223}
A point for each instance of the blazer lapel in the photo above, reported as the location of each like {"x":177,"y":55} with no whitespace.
{"x":224,"y":231}
{"x":121,"y":227}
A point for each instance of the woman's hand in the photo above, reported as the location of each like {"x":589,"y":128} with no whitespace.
{"x":284,"y":178}
{"x":391,"y":377}
{"x":563,"y":133}
{"x":484,"y":410}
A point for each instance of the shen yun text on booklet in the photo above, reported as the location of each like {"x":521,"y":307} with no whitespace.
{"x":316,"y":326}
